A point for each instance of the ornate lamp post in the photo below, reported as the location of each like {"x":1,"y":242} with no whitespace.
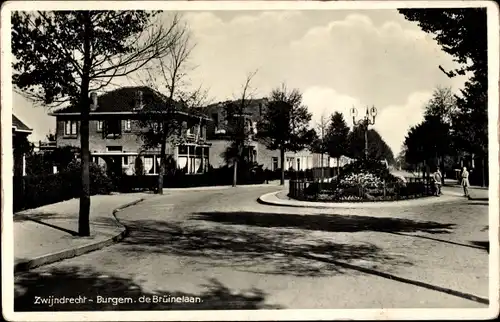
{"x":368,"y":119}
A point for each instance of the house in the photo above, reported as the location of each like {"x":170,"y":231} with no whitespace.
{"x":20,"y":133}
{"x":219,"y":136}
{"x":115,"y":127}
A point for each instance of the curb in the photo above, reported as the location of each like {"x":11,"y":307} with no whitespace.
{"x":78,"y":251}
{"x":264,"y":200}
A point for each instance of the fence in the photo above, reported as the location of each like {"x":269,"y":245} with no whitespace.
{"x":413,"y":187}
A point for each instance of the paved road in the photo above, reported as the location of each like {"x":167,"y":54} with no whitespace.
{"x":220,"y":249}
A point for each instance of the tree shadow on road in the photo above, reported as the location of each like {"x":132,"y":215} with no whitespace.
{"x":72,"y":282}
{"x":325,"y":222}
{"x":260,"y":250}
{"x":485,"y":245}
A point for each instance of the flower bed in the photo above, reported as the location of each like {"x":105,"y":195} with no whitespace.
{"x":360,"y":182}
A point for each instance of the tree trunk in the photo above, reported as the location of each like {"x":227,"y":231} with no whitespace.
{"x":235,"y":173}
{"x":338,"y":167}
{"x":282,"y":156}
{"x":483,"y":172}
{"x":161,"y":173}
{"x":84,"y":210}
{"x":441,"y":165}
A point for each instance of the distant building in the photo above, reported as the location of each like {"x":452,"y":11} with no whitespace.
{"x":219,"y":135}
{"x":114,"y":132}
{"x":20,"y":133}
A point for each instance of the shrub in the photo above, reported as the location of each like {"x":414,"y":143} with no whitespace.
{"x":100,"y":182}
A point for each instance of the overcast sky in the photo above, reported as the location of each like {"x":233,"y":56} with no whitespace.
{"x":337,"y":59}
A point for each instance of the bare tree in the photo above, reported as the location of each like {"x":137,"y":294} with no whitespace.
{"x":322,"y":130}
{"x":235,"y":114}
{"x":61,"y":56}
{"x":168,"y":77}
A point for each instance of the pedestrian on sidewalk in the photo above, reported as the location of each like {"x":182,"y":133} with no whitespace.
{"x":437,"y":182}
{"x":465,"y":181}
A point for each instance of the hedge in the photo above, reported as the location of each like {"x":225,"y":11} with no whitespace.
{"x":40,"y":190}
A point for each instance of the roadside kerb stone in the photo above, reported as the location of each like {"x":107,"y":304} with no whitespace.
{"x":271,"y":199}
{"x":112,"y":238}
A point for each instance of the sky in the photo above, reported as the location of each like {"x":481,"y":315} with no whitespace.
{"x":336,"y":58}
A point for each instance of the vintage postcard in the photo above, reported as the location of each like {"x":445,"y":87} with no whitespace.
{"x":252,"y":160}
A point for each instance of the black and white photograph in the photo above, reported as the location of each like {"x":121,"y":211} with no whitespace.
{"x":249,"y":160}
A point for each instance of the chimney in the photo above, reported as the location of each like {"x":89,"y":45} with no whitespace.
{"x":138,"y":100}
{"x":93,"y":101}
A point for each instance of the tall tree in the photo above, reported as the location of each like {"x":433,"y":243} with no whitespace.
{"x":428,"y":142}
{"x":285,"y":125}
{"x":377,"y":147}
{"x":235,"y":113}
{"x":168,"y":76}
{"x":60,"y":56}
{"x":443,"y":104}
{"x":462,"y":33}
{"x":337,"y":137}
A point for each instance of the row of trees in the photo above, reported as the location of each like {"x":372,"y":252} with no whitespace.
{"x":454,"y":125}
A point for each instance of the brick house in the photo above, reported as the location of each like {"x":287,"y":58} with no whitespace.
{"x":219,"y":136}
{"x":114,"y":132}
{"x":20,"y":133}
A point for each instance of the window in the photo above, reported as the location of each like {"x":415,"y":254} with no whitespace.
{"x":113,"y":128}
{"x":70,"y":128}
{"x":275,"y":163}
{"x":149,"y":165}
{"x":100,"y":125}
{"x":157,"y":127}
{"x":128,"y":160}
{"x":298,"y":164}
{"x":128,"y":125}
{"x":289,"y":162}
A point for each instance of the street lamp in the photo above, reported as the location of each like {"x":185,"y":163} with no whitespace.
{"x":368,"y":119}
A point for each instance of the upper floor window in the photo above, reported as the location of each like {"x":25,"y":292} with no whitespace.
{"x":191,"y":131}
{"x":157,"y":127}
{"x":128,"y":125}
{"x":70,"y":127}
{"x":113,"y":128}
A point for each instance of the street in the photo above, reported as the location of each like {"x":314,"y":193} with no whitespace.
{"x":220,"y":249}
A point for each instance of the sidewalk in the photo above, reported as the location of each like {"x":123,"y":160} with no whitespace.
{"x":50,"y":233}
{"x":280,"y":198}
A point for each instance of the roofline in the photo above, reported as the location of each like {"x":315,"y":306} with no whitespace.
{"x":24,"y":131}
{"x":118,"y":113}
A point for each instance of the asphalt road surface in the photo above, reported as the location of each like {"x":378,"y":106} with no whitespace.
{"x":220,"y":249}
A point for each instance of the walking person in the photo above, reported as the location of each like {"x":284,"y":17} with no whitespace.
{"x":465,"y":181}
{"x":437,"y":182}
